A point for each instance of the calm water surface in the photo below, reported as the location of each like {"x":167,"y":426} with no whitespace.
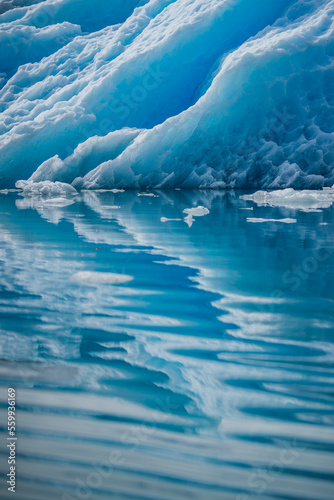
{"x":208,"y":376}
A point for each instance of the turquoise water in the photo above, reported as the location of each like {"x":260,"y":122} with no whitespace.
{"x":208,"y":376}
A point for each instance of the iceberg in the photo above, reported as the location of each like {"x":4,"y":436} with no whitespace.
{"x":153,"y":94}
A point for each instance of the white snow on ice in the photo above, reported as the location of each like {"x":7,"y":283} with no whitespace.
{"x":285,"y":221}
{"x":305,"y":200}
{"x":186,"y":93}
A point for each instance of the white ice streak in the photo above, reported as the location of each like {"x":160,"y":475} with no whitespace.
{"x":45,"y":188}
{"x":100,"y":278}
{"x":166,"y":219}
{"x":305,"y":200}
{"x":194,"y":212}
{"x":285,"y":221}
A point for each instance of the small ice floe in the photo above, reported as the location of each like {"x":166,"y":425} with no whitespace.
{"x":105,"y":190}
{"x":6,"y":191}
{"x":194,"y":212}
{"x":98,"y":278}
{"x":285,"y":221}
{"x":165,"y":219}
{"x":45,"y":188}
{"x":148,"y":194}
{"x":289,"y":198}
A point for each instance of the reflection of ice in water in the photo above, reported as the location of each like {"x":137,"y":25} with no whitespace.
{"x":110,"y":207}
{"x":206,"y":330}
{"x":165,"y":219}
{"x":289,"y":198}
{"x":285,"y":221}
{"x":40,"y":203}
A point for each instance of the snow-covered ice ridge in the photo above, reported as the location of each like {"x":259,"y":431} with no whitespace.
{"x":167,"y":93}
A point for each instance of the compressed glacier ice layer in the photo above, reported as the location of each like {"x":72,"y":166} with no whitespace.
{"x":289,"y":198}
{"x":167,"y":93}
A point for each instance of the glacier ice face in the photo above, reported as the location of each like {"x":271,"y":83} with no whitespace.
{"x":45,"y":188}
{"x":168,"y":93}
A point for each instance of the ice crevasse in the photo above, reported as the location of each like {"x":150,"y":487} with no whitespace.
{"x":167,"y":93}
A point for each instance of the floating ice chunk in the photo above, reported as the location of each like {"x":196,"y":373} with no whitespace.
{"x":6,"y":191}
{"x":312,"y":210}
{"x":56,"y":202}
{"x":98,"y":278}
{"x":194,"y":212}
{"x":148,"y":194}
{"x":110,"y":207}
{"x":197,"y":211}
{"x":290,"y":198}
{"x":286,"y":221}
{"x":46,"y":188}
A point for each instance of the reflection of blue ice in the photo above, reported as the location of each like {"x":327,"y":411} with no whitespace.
{"x":227,"y":327}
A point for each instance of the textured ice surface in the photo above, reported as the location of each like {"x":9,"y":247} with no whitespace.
{"x":166,"y":219}
{"x":39,"y":203}
{"x":196,"y":211}
{"x":306,"y":200}
{"x":167,"y":93}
